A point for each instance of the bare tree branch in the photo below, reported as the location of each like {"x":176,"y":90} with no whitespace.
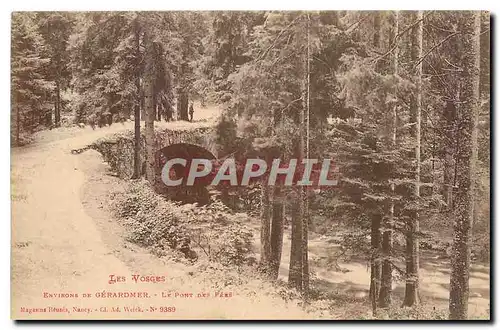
{"x":434,"y":47}
{"x":264,"y":53}
{"x":398,"y":36}
{"x":355,"y":25}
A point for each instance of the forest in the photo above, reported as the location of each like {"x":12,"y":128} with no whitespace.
{"x":400,"y":100}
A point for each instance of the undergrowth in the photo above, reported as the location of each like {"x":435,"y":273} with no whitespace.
{"x":211,"y":231}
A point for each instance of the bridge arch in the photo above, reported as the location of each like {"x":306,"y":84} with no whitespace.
{"x":187,"y":151}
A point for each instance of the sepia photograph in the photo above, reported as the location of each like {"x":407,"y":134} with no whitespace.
{"x":250,"y":165}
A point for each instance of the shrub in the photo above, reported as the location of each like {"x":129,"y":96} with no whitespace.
{"x":219,"y":234}
{"x":151,"y":221}
{"x":422,"y":312}
{"x":163,"y":225}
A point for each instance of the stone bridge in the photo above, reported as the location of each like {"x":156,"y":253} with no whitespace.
{"x":118,"y":150}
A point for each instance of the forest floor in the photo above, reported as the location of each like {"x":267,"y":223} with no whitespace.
{"x":64,"y":240}
{"x":349,"y":280}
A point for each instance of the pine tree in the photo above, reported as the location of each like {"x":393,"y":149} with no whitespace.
{"x":412,"y":229}
{"x":149,"y":104}
{"x":370,"y":161}
{"x":376,"y":242}
{"x":277,"y":226}
{"x":305,"y":123}
{"x":299,"y":269}
{"x":29,"y":89}
{"x":225,"y":50}
{"x":55,"y":29}
{"x":180,"y":34}
{"x":139,"y":101}
{"x":265,"y":228}
{"x":102,"y":63}
{"x":466,"y":168}
{"x":387,"y":239}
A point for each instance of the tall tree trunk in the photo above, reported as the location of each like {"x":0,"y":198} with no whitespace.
{"x":149,"y":107}
{"x":272,"y":228}
{"x":448,"y":178}
{"x":377,"y":36}
{"x":466,"y":170}
{"x":297,"y":254}
{"x":137,"y":109}
{"x":182,"y":104}
{"x":277,"y":224}
{"x":295,"y":268}
{"x":182,"y":95}
{"x":412,"y":229}
{"x":305,"y":124}
{"x":32,"y":121}
{"x":18,"y":124}
{"x":375,"y":239}
{"x":265,"y":229}
{"x":305,"y":247}
{"x":55,"y":113}
{"x":375,"y":264}
{"x":448,"y":171}
{"x":386,"y":284}
{"x":57,"y":110}
{"x":450,"y":115}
